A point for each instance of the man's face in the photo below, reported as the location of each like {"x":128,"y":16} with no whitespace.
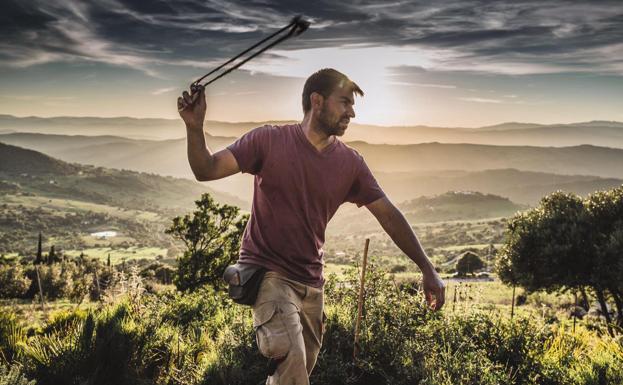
{"x":336,"y":112}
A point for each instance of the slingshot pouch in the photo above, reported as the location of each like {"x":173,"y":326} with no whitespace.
{"x":244,"y":282}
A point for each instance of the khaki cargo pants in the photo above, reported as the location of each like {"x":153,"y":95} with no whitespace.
{"x":288,"y":322}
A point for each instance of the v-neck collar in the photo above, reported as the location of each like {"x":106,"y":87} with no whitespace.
{"x":330,"y":147}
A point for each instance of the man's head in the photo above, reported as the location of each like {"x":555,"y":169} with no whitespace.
{"x":328,"y":95}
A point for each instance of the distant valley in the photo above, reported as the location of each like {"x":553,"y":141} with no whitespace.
{"x":522,"y":173}
{"x":71,"y":203}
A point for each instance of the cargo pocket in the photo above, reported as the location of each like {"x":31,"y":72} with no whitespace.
{"x":323,"y":326}
{"x":271,"y":332}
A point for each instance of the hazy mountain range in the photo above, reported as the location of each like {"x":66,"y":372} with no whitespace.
{"x":598,"y":133}
{"x":522,"y":173}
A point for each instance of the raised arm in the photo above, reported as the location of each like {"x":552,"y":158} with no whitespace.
{"x":397,"y":227}
{"x":204,"y":164}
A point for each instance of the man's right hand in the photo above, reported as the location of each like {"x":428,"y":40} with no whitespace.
{"x":192,"y":108}
{"x":434,"y":290}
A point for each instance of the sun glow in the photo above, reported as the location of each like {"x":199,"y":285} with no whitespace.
{"x":369,"y":67}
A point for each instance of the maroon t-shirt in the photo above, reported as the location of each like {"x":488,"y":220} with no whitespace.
{"x":297,"y":190}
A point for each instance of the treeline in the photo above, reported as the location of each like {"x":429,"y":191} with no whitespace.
{"x":76,"y":278}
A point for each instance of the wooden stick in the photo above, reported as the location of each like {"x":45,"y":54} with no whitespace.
{"x":575,"y":307}
{"x":360,"y":304}
{"x":40,"y":289}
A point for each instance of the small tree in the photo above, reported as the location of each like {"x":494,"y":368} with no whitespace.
{"x":468,"y":263}
{"x":546,"y":248}
{"x":212,"y":236}
{"x":568,"y":243}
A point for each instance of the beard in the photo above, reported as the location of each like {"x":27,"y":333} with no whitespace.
{"x":330,"y":125}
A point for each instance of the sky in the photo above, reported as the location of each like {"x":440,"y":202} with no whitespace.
{"x":462,"y":63}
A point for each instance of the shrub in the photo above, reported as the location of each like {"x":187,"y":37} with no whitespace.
{"x":13,"y":282}
{"x":13,"y":376}
{"x":398,"y":269}
{"x":56,"y":281}
{"x":468,"y":263}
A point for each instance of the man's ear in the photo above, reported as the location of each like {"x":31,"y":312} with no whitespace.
{"x":316,"y":100}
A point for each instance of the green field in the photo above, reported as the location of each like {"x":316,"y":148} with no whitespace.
{"x":118,"y":256}
{"x":70,"y":205}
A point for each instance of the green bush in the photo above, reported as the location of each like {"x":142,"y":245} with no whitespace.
{"x":56,"y":281}
{"x":13,"y":281}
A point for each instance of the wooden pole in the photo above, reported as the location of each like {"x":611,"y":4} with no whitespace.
{"x":513,"y":303}
{"x":40,"y":289}
{"x":454,"y":299}
{"x":360,"y":304}
{"x":97,"y":286}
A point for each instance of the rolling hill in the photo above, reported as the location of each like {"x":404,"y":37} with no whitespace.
{"x":448,"y":206}
{"x":39,"y":174}
{"x":524,"y":187}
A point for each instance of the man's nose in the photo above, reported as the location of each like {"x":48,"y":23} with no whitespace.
{"x":351,"y":112}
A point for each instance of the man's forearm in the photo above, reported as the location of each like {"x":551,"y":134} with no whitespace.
{"x":397,"y":227}
{"x":199,"y":155}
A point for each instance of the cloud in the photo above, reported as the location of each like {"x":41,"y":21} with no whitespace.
{"x":520,"y":37}
{"x":481,"y":100}
{"x":161,"y":91}
{"x":423,"y":85}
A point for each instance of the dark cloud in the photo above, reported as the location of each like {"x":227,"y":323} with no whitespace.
{"x":144,"y":34}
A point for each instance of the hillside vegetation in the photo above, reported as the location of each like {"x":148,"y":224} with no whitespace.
{"x":68,"y":202}
{"x":203,"y":338}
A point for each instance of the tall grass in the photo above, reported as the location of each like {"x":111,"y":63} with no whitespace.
{"x":203,"y":338}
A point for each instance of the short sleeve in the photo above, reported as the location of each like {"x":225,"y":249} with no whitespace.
{"x":251,"y":148}
{"x":365,"y":188}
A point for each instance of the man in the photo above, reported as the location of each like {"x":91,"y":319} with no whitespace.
{"x":303,"y":173}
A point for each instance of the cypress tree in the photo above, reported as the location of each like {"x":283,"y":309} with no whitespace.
{"x":39,"y":258}
{"x":51,"y":255}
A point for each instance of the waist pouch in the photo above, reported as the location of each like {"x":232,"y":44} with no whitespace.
{"x":244,"y":282}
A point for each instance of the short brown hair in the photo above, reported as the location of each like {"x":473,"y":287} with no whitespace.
{"x":324,"y":82}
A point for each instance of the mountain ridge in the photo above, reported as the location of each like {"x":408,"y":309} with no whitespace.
{"x":597,"y":132}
